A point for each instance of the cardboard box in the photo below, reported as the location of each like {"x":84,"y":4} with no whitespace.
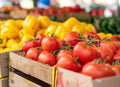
{"x":4,"y":82}
{"x":16,"y":80}
{"x":66,"y":78}
{"x":4,"y":64}
{"x":33,"y":68}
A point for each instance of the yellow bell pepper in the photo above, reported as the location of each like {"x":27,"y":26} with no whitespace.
{"x":1,"y":50}
{"x":8,"y":49}
{"x":31,"y":23}
{"x":89,"y":28}
{"x":70,"y":22}
{"x":19,"y":24}
{"x":10,"y":43}
{"x":102,"y":35}
{"x":59,"y":30}
{"x":10,"y":32}
{"x":44,"y":21}
{"x":108,"y":35}
{"x":51,"y":30}
{"x":40,"y":31}
{"x":10,"y":22}
{"x":3,"y":41}
{"x":26,"y":38}
{"x":24,"y":31}
{"x":16,"y":46}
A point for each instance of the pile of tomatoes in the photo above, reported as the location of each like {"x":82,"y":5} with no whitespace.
{"x":88,"y":54}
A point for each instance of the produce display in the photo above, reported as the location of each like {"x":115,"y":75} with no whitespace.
{"x":13,"y":33}
{"x":89,"y":54}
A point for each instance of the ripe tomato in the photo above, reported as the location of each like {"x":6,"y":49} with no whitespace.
{"x":116,"y":69}
{"x":27,"y":45}
{"x":49,"y":43}
{"x":63,"y":53}
{"x":117,"y":55}
{"x":116,"y":37}
{"x":106,"y":54}
{"x":94,"y":37}
{"x":85,"y":53}
{"x":33,"y":53}
{"x":97,"y":70}
{"x":39,"y":38}
{"x":67,"y":62}
{"x":108,"y":44}
{"x":47,"y":58}
{"x":72,"y":38}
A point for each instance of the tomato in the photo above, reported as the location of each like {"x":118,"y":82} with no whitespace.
{"x":33,"y":53}
{"x":117,"y":55}
{"x":116,"y":37}
{"x":72,"y":38}
{"x":106,"y":54}
{"x":94,"y":37}
{"x":39,"y":38}
{"x":27,"y":45}
{"x":97,"y":70}
{"x":85,"y":53}
{"x":116,"y":69}
{"x":108,"y":44}
{"x":67,"y":62}
{"x":49,"y":43}
{"x":47,"y":58}
{"x":63,"y":53}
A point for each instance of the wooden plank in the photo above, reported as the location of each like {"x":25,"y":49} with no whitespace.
{"x":4,"y":64}
{"x":31,"y":67}
{"x":4,"y":82}
{"x":18,"y":81}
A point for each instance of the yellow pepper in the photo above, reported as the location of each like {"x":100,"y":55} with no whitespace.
{"x":89,"y":28}
{"x":51,"y":29}
{"x":44,"y":21}
{"x":1,"y":50}
{"x":31,"y":23}
{"x":108,"y":35}
{"x":19,"y":24}
{"x":70,"y":22}
{"x":16,"y":46}
{"x":24,"y":31}
{"x":10,"y":43}
{"x":10,"y":32}
{"x":3,"y":41}
{"x":102,"y":35}
{"x":8,"y":49}
{"x":40,"y":31}
{"x":59,"y":30}
{"x":10,"y":22}
{"x":26,"y":38}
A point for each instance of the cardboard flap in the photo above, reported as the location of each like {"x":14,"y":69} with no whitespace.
{"x":68,"y":78}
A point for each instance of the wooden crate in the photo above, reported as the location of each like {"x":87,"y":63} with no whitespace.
{"x":19,"y":79}
{"x":4,"y":64}
{"x":33,"y":68}
{"x":4,"y":82}
{"x":66,"y":78}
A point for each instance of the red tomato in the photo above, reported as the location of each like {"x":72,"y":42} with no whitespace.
{"x":63,"y":53}
{"x":116,"y":37}
{"x":106,"y":54}
{"x":97,"y":70}
{"x":68,"y":9}
{"x":116,"y":69}
{"x":27,"y":45}
{"x":85,"y":53}
{"x":77,"y":8}
{"x":117,"y":55}
{"x":67,"y":62}
{"x":108,"y":44}
{"x":47,"y":58}
{"x":33,"y":53}
{"x":49,"y":44}
{"x":39,"y":38}
{"x":72,"y":38}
